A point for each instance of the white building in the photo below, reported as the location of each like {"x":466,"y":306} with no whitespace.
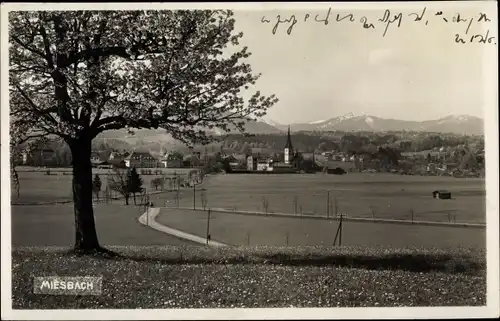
{"x":141,"y":160}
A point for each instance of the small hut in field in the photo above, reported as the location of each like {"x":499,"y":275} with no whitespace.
{"x":441,"y":194}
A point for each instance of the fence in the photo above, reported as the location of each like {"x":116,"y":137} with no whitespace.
{"x":254,"y":229}
{"x":329,"y":204}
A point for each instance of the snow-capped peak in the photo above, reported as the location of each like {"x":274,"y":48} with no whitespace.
{"x":348,"y":116}
{"x":460,"y":117}
{"x":455,"y":119}
{"x":269,"y":122}
{"x":317,"y":121}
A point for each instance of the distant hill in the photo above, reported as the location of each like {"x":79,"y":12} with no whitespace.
{"x":457,"y":124}
{"x":159,"y":139}
{"x":146,"y":136}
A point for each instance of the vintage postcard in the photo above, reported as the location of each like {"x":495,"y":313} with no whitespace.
{"x":249,"y":160}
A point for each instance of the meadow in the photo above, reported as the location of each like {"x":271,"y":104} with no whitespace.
{"x":251,"y":230}
{"x":250,"y":277}
{"x":378,"y":195}
{"x":165,"y":272}
{"x":38,"y":187}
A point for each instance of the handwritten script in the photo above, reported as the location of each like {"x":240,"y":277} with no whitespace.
{"x":388,"y":21}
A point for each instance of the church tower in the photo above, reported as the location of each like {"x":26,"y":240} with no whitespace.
{"x":288,"y":148}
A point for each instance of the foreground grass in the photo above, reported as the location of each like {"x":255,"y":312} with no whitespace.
{"x":197,"y":277}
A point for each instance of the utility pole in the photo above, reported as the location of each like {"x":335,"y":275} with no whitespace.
{"x":194,"y":196}
{"x":340,"y":234}
{"x":208,"y":224}
{"x":147,"y":210}
{"x":328,"y":205}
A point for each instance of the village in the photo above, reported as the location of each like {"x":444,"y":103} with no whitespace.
{"x":463,"y":160}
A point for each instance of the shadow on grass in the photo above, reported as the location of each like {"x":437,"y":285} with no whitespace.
{"x":407,"y":262}
{"x":461,"y":261}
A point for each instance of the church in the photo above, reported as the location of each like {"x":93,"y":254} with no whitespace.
{"x":288,"y":155}
{"x":291,"y":161}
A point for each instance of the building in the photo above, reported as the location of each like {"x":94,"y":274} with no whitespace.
{"x":118,"y":156}
{"x":170,"y":163}
{"x":288,"y":149}
{"x":117,"y":159}
{"x":257,"y":162}
{"x":236,"y":161}
{"x":191,"y":160}
{"x":280,"y":167}
{"x":331,"y":166}
{"x":140,"y":160}
{"x":99,"y":158}
{"x":441,"y":194}
{"x":39,"y":157}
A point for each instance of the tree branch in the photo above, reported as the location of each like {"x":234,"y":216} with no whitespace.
{"x":48,"y":53}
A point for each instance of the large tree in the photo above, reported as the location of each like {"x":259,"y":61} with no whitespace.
{"x":75,"y":74}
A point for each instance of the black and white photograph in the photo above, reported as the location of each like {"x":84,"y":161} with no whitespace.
{"x":249,"y":160}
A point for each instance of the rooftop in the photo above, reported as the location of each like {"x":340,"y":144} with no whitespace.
{"x":140,"y":155}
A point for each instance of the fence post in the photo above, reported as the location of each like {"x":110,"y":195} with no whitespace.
{"x":412,"y":215}
{"x":287,"y":236}
{"x":248,"y":238}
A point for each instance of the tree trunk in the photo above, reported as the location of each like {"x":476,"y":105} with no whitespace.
{"x":126,"y":199}
{"x":135,"y":203}
{"x":85,"y":232}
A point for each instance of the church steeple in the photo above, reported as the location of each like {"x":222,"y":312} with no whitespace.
{"x":288,"y":148}
{"x":289,"y":141}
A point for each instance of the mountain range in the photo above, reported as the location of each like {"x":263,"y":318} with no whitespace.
{"x":457,"y":124}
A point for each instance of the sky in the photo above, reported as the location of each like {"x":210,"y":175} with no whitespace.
{"x":414,"y":72}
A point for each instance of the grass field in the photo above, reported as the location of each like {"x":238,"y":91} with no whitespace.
{"x":165,"y":171}
{"x":53,"y":225}
{"x":176,"y":274}
{"x":36,"y":186}
{"x":357,"y":195}
{"x":238,"y":229}
{"x":187,"y":277}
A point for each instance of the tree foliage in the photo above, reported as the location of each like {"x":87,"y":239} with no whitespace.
{"x":174,"y":156}
{"x":157,"y":182}
{"x":118,"y":182}
{"x":78,"y":71}
{"x":134,"y":183}
{"x":76,"y":74}
{"x":96,"y":185}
